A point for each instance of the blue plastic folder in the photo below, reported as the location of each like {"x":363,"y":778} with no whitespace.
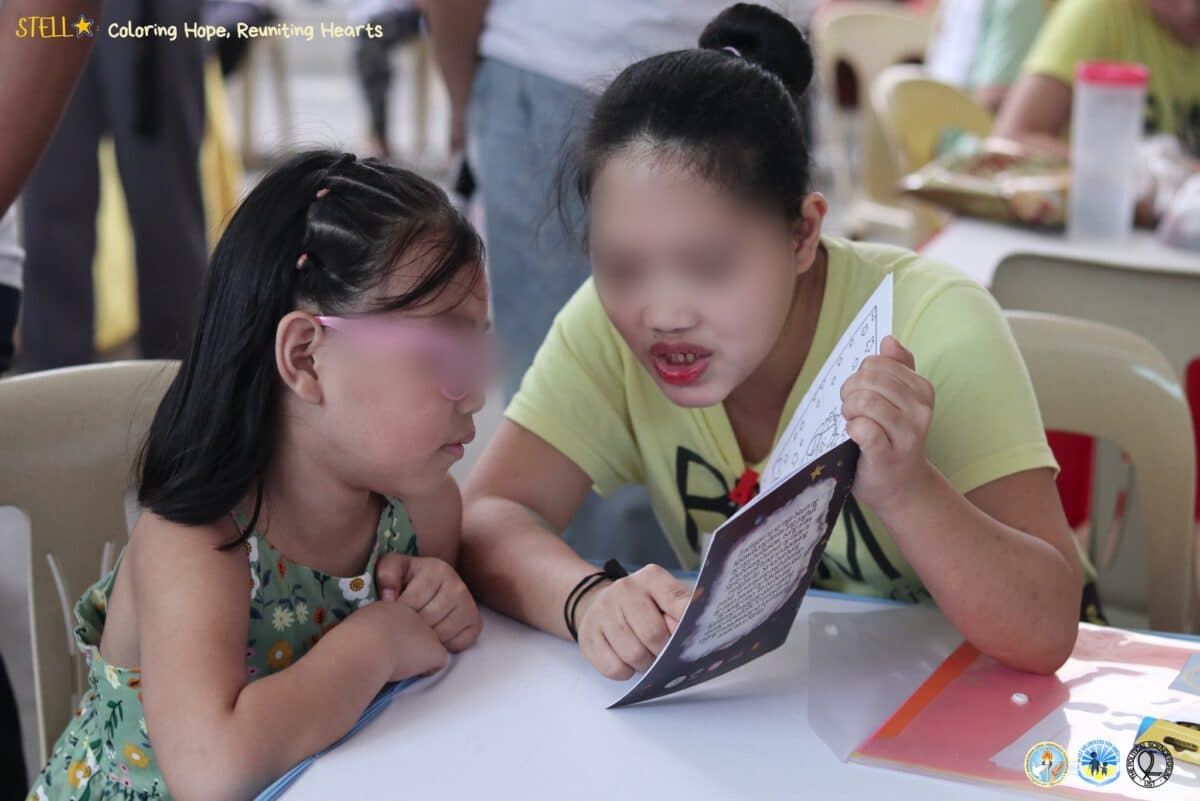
{"x":277,"y":788}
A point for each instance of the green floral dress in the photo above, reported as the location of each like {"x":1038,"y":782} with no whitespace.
{"x":105,"y":752}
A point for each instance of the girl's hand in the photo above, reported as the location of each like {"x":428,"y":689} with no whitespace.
{"x":888,"y":408}
{"x":413,"y":647}
{"x":434,"y":590}
{"x":623,"y":625}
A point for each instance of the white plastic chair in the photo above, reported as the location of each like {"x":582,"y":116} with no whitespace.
{"x":869,"y":37}
{"x":1103,"y":381}
{"x":1161,"y":305}
{"x":68,"y":443}
{"x":913,"y":111}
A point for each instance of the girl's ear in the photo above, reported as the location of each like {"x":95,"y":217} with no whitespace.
{"x":806,"y":230}
{"x":296,"y":341}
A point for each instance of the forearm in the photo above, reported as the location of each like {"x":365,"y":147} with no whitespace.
{"x":1040,"y":143}
{"x":991,"y":97}
{"x":454,"y":27}
{"x":344,"y":659}
{"x":1036,"y":113}
{"x":516,"y":565}
{"x":1011,"y":594}
{"x":39,"y":75}
{"x":336,"y":681}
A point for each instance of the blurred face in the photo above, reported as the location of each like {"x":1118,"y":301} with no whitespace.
{"x":1182,"y":17}
{"x":698,"y":282}
{"x":399,"y":389}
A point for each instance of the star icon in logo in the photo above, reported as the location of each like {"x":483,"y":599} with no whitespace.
{"x":815,"y":474}
{"x":83,"y":27}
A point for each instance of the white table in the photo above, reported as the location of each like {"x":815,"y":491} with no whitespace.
{"x":522,"y":716}
{"x":977,"y":247}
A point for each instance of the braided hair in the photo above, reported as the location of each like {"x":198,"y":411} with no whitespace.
{"x":322,"y":230}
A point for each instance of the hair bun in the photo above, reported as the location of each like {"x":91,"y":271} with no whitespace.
{"x":765,"y":38}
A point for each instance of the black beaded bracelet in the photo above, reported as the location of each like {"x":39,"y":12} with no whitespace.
{"x":611,"y":572}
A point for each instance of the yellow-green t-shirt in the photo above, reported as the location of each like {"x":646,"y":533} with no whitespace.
{"x":1125,"y":30}
{"x":588,"y":396}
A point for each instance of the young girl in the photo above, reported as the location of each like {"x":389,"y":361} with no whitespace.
{"x":335,"y":370}
{"x":714,"y":300}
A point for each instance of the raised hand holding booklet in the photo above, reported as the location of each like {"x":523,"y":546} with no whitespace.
{"x":760,"y":562}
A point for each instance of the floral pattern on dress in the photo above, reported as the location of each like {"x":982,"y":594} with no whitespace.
{"x":105,"y":751}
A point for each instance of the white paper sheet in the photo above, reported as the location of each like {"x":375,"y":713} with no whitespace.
{"x":817,"y":424}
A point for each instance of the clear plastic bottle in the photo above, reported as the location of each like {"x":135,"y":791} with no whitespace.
{"x":1106,"y":126}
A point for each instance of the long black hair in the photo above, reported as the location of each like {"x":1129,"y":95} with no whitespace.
{"x":322,"y":229}
{"x":730,"y":110}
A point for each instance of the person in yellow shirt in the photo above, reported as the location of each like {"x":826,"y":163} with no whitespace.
{"x":714,"y":299}
{"x":1164,"y":35}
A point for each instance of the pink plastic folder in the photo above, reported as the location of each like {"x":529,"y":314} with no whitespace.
{"x":975,"y":719}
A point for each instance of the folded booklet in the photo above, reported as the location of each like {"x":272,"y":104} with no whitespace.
{"x":760,"y":562}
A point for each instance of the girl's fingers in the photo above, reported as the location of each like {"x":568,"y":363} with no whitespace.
{"x":666,"y":591}
{"x":647,"y":623}
{"x":604,"y":657}
{"x":451,"y":596}
{"x":901,"y":385}
{"x":626,"y":644}
{"x":873,"y":405}
{"x":869,"y":435}
{"x":452,"y":625}
{"x":421,"y":589}
{"x":440,"y":609}
{"x":899,"y":427}
{"x":390,"y":573}
{"x":886,"y":382}
{"x":464,"y":639}
{"x":920,"y":388}
{"x":891,"y":348}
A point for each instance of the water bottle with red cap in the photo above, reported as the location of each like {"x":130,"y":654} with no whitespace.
{"x":1106,"y":126}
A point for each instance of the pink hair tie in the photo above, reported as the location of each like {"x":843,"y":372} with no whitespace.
{"x":322,"y":192}
{"x":301,"y":261}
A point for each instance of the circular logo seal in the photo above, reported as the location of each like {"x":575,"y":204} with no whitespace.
{"x":1098,"y":762}
{"x":1046,"y":764}
{"x":1150,"y":764}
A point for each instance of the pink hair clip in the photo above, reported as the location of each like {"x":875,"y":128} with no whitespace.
{"x":301,"y":261}
{"x":322,"y":192}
